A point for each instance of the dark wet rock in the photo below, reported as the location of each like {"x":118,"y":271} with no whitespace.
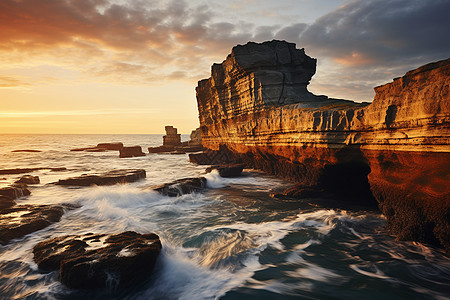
{"x":215,"y":157}
{"x":99,"y":260}
{"x":110,"y":146}
{"x":28,"y":179}
{"x":27,"y":150}
{"x":101,"y":147}
{"x":229,"y":170}
{"x":300,"y":192}
{"x":108,"y":178}
{"x":20,"y":220}
{"x":182,"y":186}
{"x":177,"y":152}
{"x":28,"y":170}
{"x":95,"y":150}
{"x":133,"y":151}
{"x":6,"y":202}
{"x":161,"y":149}
{"x":189,"y":148}
{"x":14,"y":191}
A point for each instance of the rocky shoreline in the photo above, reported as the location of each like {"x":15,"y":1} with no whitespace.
{"x":256,"y":107}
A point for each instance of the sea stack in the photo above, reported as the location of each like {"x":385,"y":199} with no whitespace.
{"x":172,"y":137}
{"x":395,"y":150}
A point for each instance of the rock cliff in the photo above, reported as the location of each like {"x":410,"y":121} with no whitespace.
{"x":394,"y":150}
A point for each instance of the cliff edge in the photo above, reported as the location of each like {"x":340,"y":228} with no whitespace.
{"x":395,"y":150}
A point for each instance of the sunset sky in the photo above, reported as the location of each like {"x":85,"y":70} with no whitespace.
{"x":117,"y":66}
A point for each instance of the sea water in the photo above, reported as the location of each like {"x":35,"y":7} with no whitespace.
{"x":231,"y":241}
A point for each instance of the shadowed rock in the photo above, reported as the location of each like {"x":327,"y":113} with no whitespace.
{"x":14,"y":191}
{"x":229,"y":170}
{"x":28,"y":179}
{"x":134,"y":151}
{"x":27,"y":150}
{"x":101,"y":147}
{"x":28,"y":170}
{"x":20,"y":220}
{"x":6,"y":202}
{"x":182,"y":186}
{"x":109,"y":178}
{"x":99,"y":260}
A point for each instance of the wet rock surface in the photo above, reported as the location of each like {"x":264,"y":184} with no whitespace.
{"x":99,"y":260}
{"x":20,"y":220}
{"x":28,"y":179}
{"x":6,"y":202}
{"x":161,"y":149}
{"x":101,"y":147}
{"x":26,"y":150}
{"x":108,"y":178}
{"x":181,"y":186}
{"x":28,"y":170}
{"x":133,"y":151}
{"x":14,"y":191}
{"x":228,"y":170}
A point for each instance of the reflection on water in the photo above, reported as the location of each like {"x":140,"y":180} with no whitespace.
{"x":231,"y":242}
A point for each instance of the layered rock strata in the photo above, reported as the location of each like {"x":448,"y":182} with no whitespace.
{"x":395,"y":150}
{"x":172,"y":137}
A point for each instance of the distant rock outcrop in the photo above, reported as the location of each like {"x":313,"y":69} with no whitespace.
{"x":101,"y":147}
{"x":172,"y":142}
{"x":133,"y":151}
{"x":396,"y":150}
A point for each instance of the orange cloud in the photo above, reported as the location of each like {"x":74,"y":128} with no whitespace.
{"x":354,"y":59}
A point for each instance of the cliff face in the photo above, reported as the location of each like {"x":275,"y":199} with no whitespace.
{"x":395,"y":150}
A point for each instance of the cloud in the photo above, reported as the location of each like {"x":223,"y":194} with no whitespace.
{"x":10,"y":82}
{"x":361,"y":44}
{"x":382,"y":32}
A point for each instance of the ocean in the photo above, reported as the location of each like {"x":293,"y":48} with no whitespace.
{"x":231,"y":241}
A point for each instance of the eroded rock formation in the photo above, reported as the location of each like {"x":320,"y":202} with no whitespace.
{"x":395,"y":150}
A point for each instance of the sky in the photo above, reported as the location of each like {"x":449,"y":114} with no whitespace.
{"x":131,"y":66}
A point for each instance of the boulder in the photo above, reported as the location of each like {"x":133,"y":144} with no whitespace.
{"x":20,"y":220}
{"x":133,"y":151}
{"x":108,"y":178}
{"x":28,"y":179}
{"x":229,"y":170}
{"x":14,"y":191}
{"x":181,"y":186}
{"x":99,"y":260}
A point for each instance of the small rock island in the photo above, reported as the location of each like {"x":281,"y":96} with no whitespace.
{"x":257,"y":108}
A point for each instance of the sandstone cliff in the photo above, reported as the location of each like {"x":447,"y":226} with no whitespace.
{"x":395,"y":150}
